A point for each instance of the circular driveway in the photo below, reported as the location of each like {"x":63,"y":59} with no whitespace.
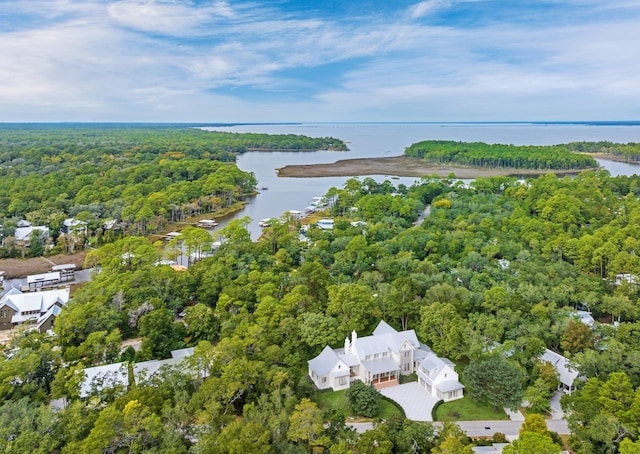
{"x":413,"y":399}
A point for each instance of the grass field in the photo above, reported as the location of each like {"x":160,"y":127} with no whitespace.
{"x":467,"y":410}
{"x":337,"y":400}
{"x":15,"y":268}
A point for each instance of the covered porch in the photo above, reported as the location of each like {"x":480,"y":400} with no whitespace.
{"x":382,"y":373}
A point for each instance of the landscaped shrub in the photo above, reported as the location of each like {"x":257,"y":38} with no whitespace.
{"x":363,"y":399}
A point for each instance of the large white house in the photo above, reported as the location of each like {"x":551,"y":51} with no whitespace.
{"x":380,"y":359}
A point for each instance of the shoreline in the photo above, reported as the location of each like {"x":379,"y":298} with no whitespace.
{"x":404,"y":166}
{"x":612,"y":157}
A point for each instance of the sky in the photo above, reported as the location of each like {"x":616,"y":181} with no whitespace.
{"x":319,"y":61}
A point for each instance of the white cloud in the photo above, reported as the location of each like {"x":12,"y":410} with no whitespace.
{"x":426,"y":7}
{"x":168,"y":17}
{"x":136,"y":57}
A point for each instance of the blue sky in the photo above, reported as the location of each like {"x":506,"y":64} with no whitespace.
{"x":331,"y":60}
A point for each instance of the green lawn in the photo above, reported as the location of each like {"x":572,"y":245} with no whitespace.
{"x":467,"y":410}
{"x":337,"y":400}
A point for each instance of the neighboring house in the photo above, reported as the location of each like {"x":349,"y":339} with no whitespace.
{"x":17,"y":308}
{"x":67,"y":271}
{"x":380,"y":359}
{"x":100,"y":378}
{"x":71,"y":225}
{"x":41,"y":281}
{"x":495,"y":448}
{"x":567,"y":374}
{"x":584,"y":317}
{"x":627,"y":278}
{"x":439,"y":378}
{"x":23,"y":234}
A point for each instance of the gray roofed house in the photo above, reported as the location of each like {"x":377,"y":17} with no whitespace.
{"x":568,"y":374}
{"x":380,"y":359}
{"x":182,"y":353}
{"x":111,"y":376}
{"x":23,"y":234}
{"x":495,"y":448}
{"x":439,"y":378}
{"x":46,"y":320}
{"x":17,"y":307}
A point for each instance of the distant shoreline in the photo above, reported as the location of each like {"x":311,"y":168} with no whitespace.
{"x":403,"y":166}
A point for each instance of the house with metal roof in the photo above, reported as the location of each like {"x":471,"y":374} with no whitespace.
{"x":380,"y":359}
{"x":118,"y":376}
{"x":17,"y":308}
{"x":566,"y":373}
{"x":439,"y":378}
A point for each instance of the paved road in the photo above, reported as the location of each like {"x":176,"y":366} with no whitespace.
{"x":424,"y":214}
{"x":488,"y":428}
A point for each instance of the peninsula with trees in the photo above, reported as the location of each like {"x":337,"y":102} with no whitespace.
{"x":472,"y":160}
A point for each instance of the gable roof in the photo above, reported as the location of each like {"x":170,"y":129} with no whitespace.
{"x":112,"y":375}
{"x":384,"y":328}
{"x":147,"y":369}
{"x":324,"y":362}
{"x":101,"y":377}
{"x":32,"y":305}
{"x":561,"y":365}
{"x":182,"y":353}
{"x":53,"y":310}
{"x":384,"y":339}
{"x":435,"y":364}
{"x":24,"y":233}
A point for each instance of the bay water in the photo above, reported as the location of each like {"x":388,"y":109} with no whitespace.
{"x":278,"y":194}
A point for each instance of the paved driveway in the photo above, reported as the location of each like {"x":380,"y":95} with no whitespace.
{"x":414,"y":400}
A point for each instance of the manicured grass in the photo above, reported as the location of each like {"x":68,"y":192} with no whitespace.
{"x":338,"y":401}
{"x":467,"y":410}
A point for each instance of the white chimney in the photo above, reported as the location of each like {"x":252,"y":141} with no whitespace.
{"x":347,"y":345}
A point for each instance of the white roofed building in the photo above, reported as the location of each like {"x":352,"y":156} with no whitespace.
{"x":111,"y":377}
{"x":439,"y":378}
{"x":17,"y":308}
{"x":567,"y":374}
{"x":380,"y":359}
{"x":23,"y":234}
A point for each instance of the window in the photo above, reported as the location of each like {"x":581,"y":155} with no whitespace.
{"x":368,"y":357}
{"x":406,"y":367}
{"x":406,"y":354}
{"x":342,"y":381}
{"x":376,"y":356}
{"x":324,"y":379}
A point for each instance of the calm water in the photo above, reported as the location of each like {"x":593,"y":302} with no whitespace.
{"x":390,"y":139}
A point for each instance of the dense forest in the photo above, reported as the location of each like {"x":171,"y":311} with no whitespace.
{"x":490,"y":278}
{"x":141,"y":176}
{"x":629,"y":152}
{"x":479,"y":154}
